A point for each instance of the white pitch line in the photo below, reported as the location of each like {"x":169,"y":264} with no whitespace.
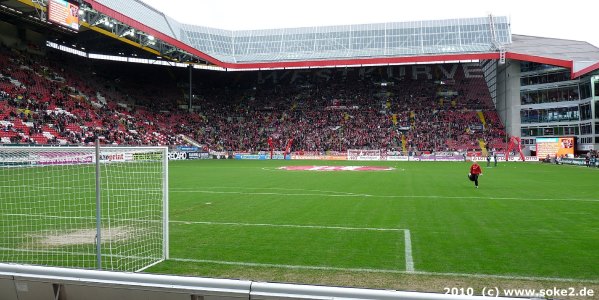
{"x":484,"y":198}
{"x":300,"y":267}
{"x":387,"y":196}
{"x":290,"y":226}
{"x":272,"y":193}
{"x":407,"y":237}
{"x":260,"y":188}
{"x":408,"y":251}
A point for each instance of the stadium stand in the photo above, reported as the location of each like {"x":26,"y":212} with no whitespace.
{"x":67,"y":100}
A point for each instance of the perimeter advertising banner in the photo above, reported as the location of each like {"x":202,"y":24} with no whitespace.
{"x":555,"y":146}
{"x":261,"y":156}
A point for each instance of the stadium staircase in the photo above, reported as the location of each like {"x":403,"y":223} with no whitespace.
{"x":483,"y":147}
{"x":190,"y":140}
{"x":482,"y":118}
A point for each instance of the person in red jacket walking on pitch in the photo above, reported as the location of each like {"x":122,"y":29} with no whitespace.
{"x":475,"y":171}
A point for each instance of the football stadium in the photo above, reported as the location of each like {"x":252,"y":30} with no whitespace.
{"x":146,"y":158}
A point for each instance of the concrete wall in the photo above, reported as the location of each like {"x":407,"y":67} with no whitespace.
{"x":18,"y":37}
{"x":8,"y":35}
{"x":508,"y":96}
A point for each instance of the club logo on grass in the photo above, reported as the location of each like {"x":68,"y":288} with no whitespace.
{"x":336,"y":168}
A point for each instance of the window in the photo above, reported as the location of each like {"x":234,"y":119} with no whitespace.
{"x":586,"y":129}
{"x":586,"y":140}
{"x":585,"y":111}
{"x":557,"y":114}
{"x":530,"y":131}
{"x":585,"y":90}
{"x":545,"y":78}
{"x":570,"y":131}
{"x":564,"y":93}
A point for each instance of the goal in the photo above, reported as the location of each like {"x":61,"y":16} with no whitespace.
{"x":49,"y":213}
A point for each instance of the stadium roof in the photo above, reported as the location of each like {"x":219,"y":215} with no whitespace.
{"x":581,"y":57}
{"x":353,"y":45}
{"x":454,"y":36}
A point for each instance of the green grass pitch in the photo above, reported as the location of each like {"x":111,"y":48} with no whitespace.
{"x":526,"y":219}
{"x":415,"y":227}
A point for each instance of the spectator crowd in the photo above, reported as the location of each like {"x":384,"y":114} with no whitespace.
{"x":55,"y":99}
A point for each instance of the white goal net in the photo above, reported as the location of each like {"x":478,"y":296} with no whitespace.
{"x":48,"y":212}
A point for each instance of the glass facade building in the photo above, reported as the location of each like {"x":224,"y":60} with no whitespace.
{"x":552,"y":104}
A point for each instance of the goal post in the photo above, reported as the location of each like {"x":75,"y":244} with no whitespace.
{"x":48,"y":206}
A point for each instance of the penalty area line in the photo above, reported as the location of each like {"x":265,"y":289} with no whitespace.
{"x":288,"y":225}
{"x":408,"y":251}
{"x":407,"y":235}
{"x":283,"y":266}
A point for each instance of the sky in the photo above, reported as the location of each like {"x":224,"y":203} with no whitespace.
{"x":571,"y":19}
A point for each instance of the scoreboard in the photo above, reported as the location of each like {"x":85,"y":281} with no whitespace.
{"x":64,"y":13}
{"x":554,"y":146}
